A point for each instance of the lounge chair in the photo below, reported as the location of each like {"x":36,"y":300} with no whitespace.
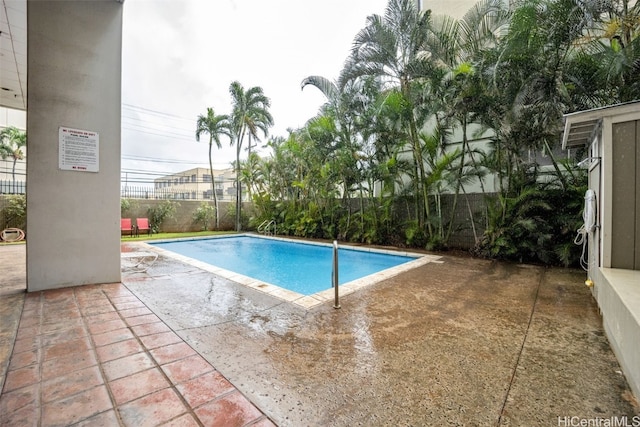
{"x":142,"y":224}
{"x":126,"y":226}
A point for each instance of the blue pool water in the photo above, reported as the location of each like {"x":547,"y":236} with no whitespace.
{"x":299,"y":267}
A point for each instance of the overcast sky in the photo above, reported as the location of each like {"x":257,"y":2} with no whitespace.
{"x":179,"y":57}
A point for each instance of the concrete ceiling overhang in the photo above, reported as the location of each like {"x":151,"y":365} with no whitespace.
{"x":13,"y":54}
{"x":580,"y":128}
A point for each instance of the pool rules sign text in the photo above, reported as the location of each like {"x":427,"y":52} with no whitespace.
{"x":78,"y":150}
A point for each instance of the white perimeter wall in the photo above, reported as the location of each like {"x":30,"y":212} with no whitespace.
{"x":74,"y":80}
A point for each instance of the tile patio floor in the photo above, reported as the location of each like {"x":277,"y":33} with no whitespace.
{"x":97,"y":356}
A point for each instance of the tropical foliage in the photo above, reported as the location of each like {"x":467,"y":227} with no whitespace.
{"x":428,"y":109}
{"x":215,"y":126}
{"x":12,"y":144}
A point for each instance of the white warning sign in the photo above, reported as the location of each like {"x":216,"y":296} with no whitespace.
{"x":78,"y":150}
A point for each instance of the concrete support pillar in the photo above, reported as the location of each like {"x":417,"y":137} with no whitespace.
{"x":74,"y":81}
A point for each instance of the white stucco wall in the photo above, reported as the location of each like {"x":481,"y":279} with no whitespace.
{"x":74,"y":80}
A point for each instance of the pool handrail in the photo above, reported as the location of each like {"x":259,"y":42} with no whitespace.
{"x":334,"y":275}
{"x":265,"y":227}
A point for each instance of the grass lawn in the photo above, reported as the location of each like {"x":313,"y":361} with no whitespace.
{"x":174,"y":235}
{"x":152,"y":237}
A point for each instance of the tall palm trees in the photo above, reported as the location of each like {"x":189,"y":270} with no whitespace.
{"x":216,"y":126}
{"x":392,"y":47}
{"x":250,"y":114}
{"x":12,"y":141}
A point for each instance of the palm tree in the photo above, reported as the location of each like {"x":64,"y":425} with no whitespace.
{"x":394,"y":47}
{"x":12,"y":140}
{"x":616,"y":50}
{"x":215,"y":126}
{"x":250,"y":114}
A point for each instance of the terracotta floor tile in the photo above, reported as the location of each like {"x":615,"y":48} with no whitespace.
{"x":98,"y":309}
{"x":65,"y":365}
{"x":141,"y":320}
{"x":60,"y":315}
{"x":128,"y":365}
{"x":28,"y":416}
{"x":26,"y":344}
{"x":127,"y":305}
{"x":28,"y":332}
{"x":29,"y":319}
{"x":171,"y":353}
{"x":231,"y":410}
{"x":150,"y":328}
{"x":115,"y":289}
{"x":61,"y":325}
{"x":265,"y":422}
{"x":67,"y":385}
{"x":125,"y":298}
{"x":65,"y":348}
{"x":20,"y":360}
{"x":52,"y":338}
{"x":133,"y":312}
{"x":32,"y":299}
{"x":185,"y":420}
{"x":185,"y":369}
{"x":58,"y":308}
{"x":111,"y":325}
{"x":22,"y":377}
{"x":104,"y":419}
{"x":58,"y":295}
{"x":87,"y":299}
{"x":138,"y":385}
{"x":77,"y":407}
{"x":202,"y":389}
{"x":111,"y":337}
{"x":17,"y":399}
{"x":103,"y":317}
{"x":118,"y":350}
{"x":152,"y":410}
{"x":159,"y":340}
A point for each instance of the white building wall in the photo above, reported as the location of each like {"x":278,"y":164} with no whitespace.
{"x":454,"y":8}
{"x":74,"y":80}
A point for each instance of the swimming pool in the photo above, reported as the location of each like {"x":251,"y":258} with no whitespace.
{"x":303,"y":269}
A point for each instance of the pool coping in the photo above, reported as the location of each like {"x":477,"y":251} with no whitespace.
{"x":303,"y":301}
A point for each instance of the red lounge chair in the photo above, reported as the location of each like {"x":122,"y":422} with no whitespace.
{"x":126,"y":226}
{"x":142,"y":224}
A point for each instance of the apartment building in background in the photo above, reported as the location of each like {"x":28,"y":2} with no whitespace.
{"x":195,"y":184}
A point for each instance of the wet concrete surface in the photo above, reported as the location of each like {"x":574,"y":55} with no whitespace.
{"x":466,"y":342}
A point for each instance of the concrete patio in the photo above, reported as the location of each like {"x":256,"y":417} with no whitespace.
{"x":462,"y":342}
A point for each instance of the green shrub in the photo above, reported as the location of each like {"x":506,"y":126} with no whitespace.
{"x":15,"y":212}
{"x":158,"y":214}
{"x":204,"y":215}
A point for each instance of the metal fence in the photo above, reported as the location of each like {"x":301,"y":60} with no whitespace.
{"x":13,"y":187}
{"x":133,"y":192}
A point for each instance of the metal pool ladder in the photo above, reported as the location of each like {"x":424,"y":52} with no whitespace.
{"x":268,"y":227}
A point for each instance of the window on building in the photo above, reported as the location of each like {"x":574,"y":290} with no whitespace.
{"x":206,"y":178}
{"x":206,"y":194}
{"x":194,"y":178}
